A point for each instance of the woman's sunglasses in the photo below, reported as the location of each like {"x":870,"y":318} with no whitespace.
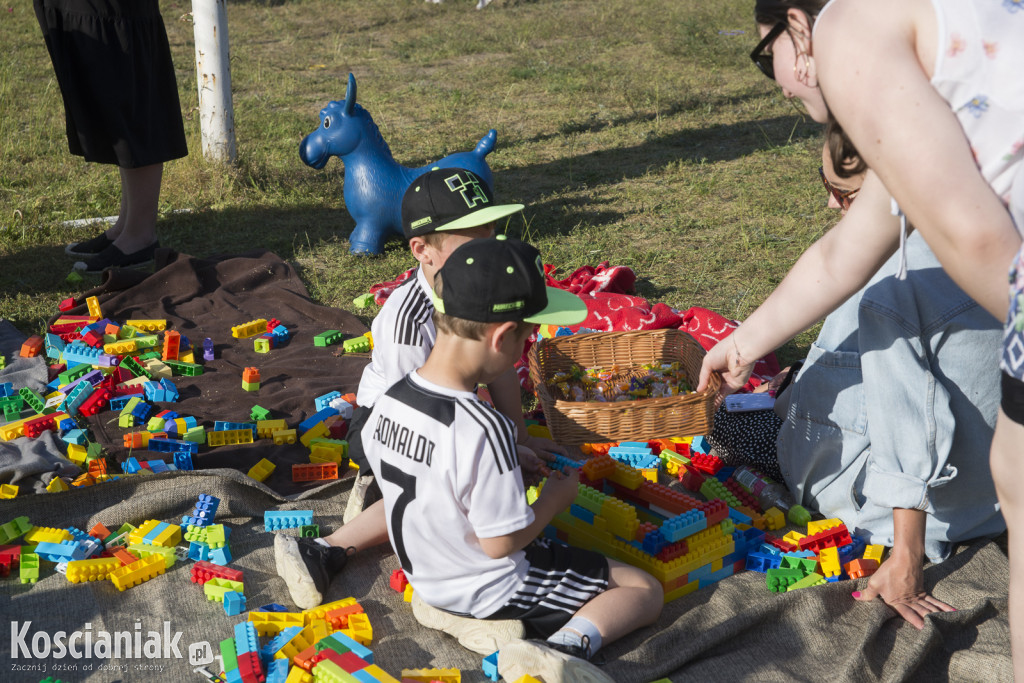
{"x":843,"y":197}
{"x":761,"y":57}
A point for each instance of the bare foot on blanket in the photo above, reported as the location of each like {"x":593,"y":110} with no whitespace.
{"x":900,"y":584}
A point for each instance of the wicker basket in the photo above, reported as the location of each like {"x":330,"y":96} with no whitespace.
{"x":576,"y":422}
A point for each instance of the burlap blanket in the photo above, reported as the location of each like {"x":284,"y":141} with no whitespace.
{"x":732,"y":631}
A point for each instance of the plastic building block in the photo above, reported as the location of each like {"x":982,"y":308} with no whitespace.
{"x":314,"y":472}
{"x":249,"y":329}
{"x":259,"y":413}
{"x":229,"y":437}
{"x":32,"y":347}
{"x":138,"y":572}
{"x":286,"y":519}
{"x":208,"y":349}
{"x":202,"y":571}
{"x":263,"y":343}
{"x":327,"y":338}
{"x":309,"y":531}
{"x":284,"y":436}
{"x":29,"y":568}
{"x":215,"y":588}
{"x":430,"y":675}
{"x":874,"y":552}
{"x":172,"y":344}
{"x":261,"y":470}
{"x":857,"y":569}
{"x":357,"y":345}
{"x":147,"y":325}
{"x":774,"y":519}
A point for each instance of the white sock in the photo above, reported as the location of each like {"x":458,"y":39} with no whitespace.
{"x":323,"y":542}
{"x":574,"y":630}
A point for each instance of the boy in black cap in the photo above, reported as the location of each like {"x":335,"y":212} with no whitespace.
{"x":453,"y":489}
{"x":441,"y":210}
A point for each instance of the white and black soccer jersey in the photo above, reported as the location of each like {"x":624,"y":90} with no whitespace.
{"x":447,"y":466}
{"x":403,"y":335}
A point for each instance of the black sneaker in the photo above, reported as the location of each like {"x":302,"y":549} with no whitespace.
{"x":581,"y":651}
{"x":113,"y":257}
{"x":307,"y":567}
{"x":89,"y":247}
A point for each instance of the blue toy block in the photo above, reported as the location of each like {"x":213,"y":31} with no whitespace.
{"x":315,"y":419}
{"x":723,"y":573}
{"x":221,"y":556}
{"x":738,"y":517}
{"x":75,"y":436}
{"x":769,"y":549}
{"x":170,"y":391}
{"x":324,"y":401}
{"x":208,"y":349}
{"x":364,"y":676}
{"x":277,"y":671}
{"x":268,"y":651}
{"x":157,"y":466}
{"x":581,"y":512}
{"x":130,"y":466}
{"x":762,"y":562}
{"x":183,"y":461}
{"x":234,"y":603}
{"x":222,"y":426}
{"x":360,"y":650}
{"x":560,"y":462}
{"x":119,"y":402}
{"x":142,"y":411}
{"x":272,"y":607}
{"x":172,"y":446}
{"x":64,"y":551}
{"x":654,"y":542}
{"x":490,"y":666}
{"x":281,"y":333}
{"x":54,"y":345}
{"x":681,"y":526}
{"x":80,"y":352}
{"x":66,"y":425}
{"x":700,"y":445}
{"x":198,"y":551}
{"x":286,"y":519}
{"x":53,"y":385}
{"x":153,"y":392}
{"x":638,"y":460}
{"x":6,"y":389}
{"x":246,"y":639}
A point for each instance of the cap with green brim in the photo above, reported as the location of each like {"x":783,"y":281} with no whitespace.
{"x":500,"y":279}
{"x":450,"y":199}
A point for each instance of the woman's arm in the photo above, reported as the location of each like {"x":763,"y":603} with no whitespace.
{"x":829,"y":272}
{"x":868,"y":56}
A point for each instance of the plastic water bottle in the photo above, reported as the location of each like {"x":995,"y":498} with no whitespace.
{"x":771,"y":494}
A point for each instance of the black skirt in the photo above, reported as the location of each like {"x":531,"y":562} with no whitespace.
{"x":114,"y":69}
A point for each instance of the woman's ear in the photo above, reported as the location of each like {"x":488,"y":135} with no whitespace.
{"x":799,"y":30}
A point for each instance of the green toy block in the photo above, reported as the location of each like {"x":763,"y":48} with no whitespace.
{"x":251,"y":386}
{"x":71,"y":374}
{"x":228,"y":655}
{"x":3,"y":362}
{"x":357,"y":345}
{"x":14,"y":529}
{"x":309,"y":531}
{"x":74,"y":278}
{"x":29,"y":572}
{"x":259,"y":413}
{"x":363,"y":300}
{"x":327,"y":338}
{"x":181,"y":368}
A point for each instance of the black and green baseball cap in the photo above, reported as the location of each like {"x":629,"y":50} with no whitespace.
{"x":450,"y":199}
{"x":500,"y":279}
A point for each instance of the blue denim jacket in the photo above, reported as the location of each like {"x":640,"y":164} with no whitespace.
{"x":895,"y":407}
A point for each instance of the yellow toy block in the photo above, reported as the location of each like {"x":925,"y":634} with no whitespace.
{"x":121,"y":347}
{"x":57,"y":485}
{"x":8,"y":491}
{"x":137,"y":572}
{"x":538,"y":430}
{"x":774,"y":519}
{"x":407,"y":593}
{"x":378,"y":674}
{"x":229,"y":437}
{"x":815,"y":526}
{"x":284,"y":436}
{"x":299,"y":642}
{"x":299,"y":675}
{"x":261,"y":470}
{"x":91,"y":570}
{"x":138,"y":535}
{"x":265,"y":428}
{"x":12,"y":430}
{"x":321,"y":454}
{"x":431,"y":675}
{"x":158,"y":369}
{"x":526,"y":679}
{"x":829,"y":560}
{"x":141,"y":550}
{"x":45,"y":534}
{"x":249,"y":329}
{"x":320,"y":611}
{"x":874,"y":552}
{"x":148,"y":325}
{"x":272,"y":623}
{"x":359,"y":629}
{"x":93,"y":304}
{"x":794,"y":537}
{"x":316,"y":431}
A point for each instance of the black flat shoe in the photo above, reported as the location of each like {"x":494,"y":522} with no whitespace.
{"x":112,"y":257}
{"x":89,"y":247}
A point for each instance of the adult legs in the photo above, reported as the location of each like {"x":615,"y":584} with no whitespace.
{"x":1006,"y":471}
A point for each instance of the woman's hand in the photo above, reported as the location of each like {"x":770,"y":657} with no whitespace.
{"x":900,"y":584}
{"x":725,"y":359}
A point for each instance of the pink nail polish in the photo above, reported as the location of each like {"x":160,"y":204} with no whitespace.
{"x":856,"y":594}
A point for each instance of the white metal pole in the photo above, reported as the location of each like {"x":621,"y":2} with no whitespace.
{"x":213,"y":75}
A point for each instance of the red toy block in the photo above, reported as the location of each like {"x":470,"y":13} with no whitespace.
{"x":746,"y":498}
{"x":66,"y":304}
{"x":674,"y":550}
{"x":784,"y":546}
{"x":714,"y":511}
{"x":315,"y":472}
{"x":10,"y":557}
{"x":38,"y":425}
{"x":691,"y":479}
{"x":836,"y":537}
{"x":339,"y":429}
{"x":96,"y":401}
{"x":93,"y":339}
{"x":272,"y":323}
{"x":32,"y":347}
{"x":398,"y":581}
{"x":349,"y":661}
{"x":250,"y":669}
{"x":203,"y":571}
{"x":708,"y":464}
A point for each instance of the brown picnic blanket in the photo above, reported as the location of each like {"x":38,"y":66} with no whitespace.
{"x":735,"y":630}
{"x":205,"y":298}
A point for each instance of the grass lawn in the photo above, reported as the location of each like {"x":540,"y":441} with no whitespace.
{"x":635,"y":133}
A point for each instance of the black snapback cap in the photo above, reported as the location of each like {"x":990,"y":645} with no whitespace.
{"x":450,"y":199}
{"x":500,"y":279}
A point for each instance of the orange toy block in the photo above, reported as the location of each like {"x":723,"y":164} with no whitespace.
{"x":32,"y":347}
{"x":251,"y":375}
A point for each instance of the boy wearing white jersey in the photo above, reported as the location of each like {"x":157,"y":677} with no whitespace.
{"x":453,"y":489}
{"x":441,"y":210}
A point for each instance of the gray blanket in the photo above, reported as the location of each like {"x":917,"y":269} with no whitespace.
{"x":733,"y":631}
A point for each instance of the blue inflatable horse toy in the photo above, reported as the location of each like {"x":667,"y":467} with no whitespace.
{"x":374,"y":181}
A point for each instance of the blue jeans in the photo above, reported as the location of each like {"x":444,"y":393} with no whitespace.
{"x":895,"y":407}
